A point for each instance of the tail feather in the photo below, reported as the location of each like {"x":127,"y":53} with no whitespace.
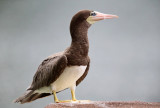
{"x":29,"y":96}
{"x":22,"y":99}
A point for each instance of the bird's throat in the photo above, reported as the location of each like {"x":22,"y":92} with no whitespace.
{"x":79,"y":37}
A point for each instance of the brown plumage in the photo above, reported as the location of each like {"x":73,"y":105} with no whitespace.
{"x":52,"y":67}
{"x":76,"y":55}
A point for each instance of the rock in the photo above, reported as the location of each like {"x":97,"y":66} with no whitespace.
{"x":101,"y":104}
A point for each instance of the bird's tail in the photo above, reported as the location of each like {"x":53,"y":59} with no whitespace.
{"x":29,"y":96}
{"x":25,"y":97}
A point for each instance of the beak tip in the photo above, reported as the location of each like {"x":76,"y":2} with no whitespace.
{"x":116,"y":16}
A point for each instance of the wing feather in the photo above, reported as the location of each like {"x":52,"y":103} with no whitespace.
{"x":48,"y":71}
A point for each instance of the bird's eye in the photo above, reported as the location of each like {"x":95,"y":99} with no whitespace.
{"x":92,"y":14}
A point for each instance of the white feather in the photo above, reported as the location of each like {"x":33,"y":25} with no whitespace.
{"x":66,"y":80}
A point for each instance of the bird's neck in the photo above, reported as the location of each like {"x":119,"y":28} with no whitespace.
{"x":80,"y":43}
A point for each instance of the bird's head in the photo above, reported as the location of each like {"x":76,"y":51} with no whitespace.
{"x":95,"y":16}
{"x":82,"y":20}
{"x":91,"y":16}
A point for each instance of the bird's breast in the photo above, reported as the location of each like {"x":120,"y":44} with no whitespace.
{"x":68,"y":78}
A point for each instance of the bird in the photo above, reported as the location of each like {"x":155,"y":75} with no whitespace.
{"x":66,"y":69}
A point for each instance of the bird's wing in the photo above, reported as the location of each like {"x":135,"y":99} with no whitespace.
{"x":85,"y":73}
{"x":48,"y":71}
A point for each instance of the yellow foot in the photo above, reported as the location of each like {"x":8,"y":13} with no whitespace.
{"x":57,"y":101}
{"x":73,"y":101}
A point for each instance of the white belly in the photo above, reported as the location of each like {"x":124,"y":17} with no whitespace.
{"x":66,"y":80}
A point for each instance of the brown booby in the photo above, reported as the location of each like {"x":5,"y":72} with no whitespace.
{"x":68,"y":68}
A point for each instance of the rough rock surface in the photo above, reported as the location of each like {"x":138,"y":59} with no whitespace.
{"x":101,"y":104}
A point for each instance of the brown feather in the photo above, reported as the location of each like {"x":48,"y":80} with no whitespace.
{"x":30,"y":96}
{"x":77,"y":53}
{"x":49,"y":70}
{"x":84,"y":75}
{"x":23,"y":99}
{"x":52,"y":67}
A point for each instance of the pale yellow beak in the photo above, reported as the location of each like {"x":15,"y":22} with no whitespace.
{"x":100,"y":16}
